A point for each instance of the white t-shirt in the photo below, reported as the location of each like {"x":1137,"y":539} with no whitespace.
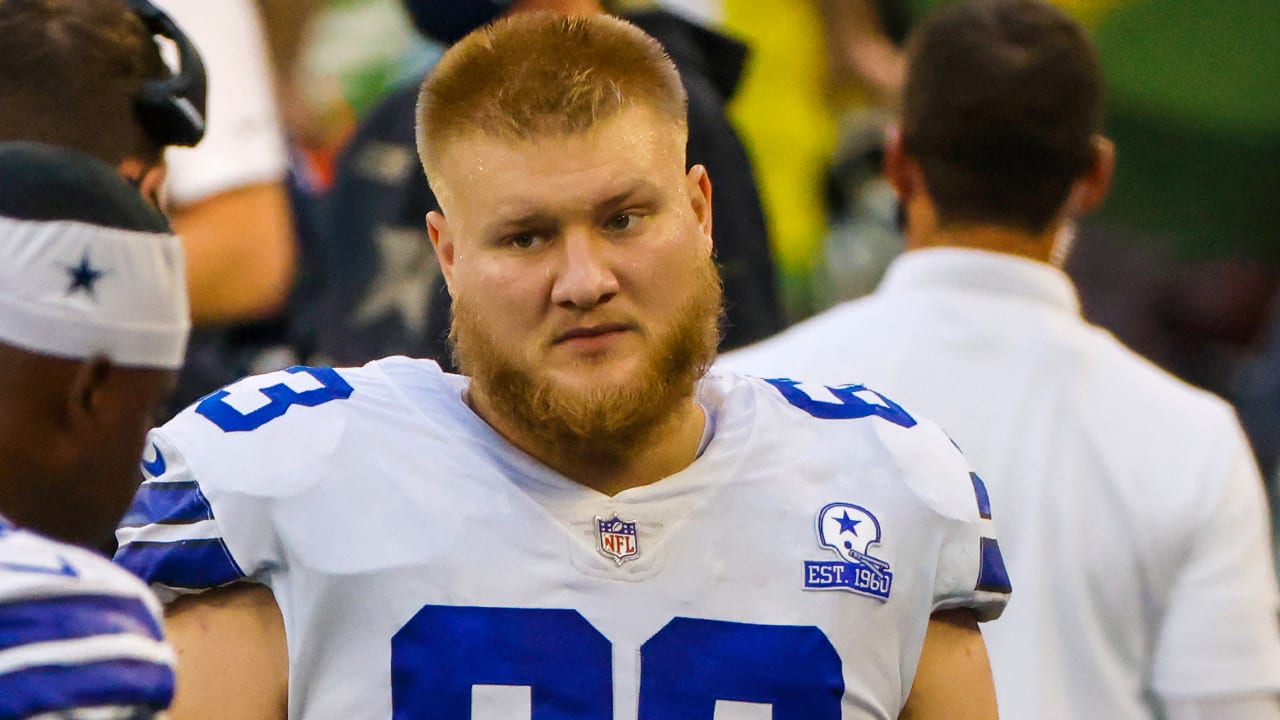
{"x":79,"y":637}
{"x":244,"y":138}
{"x":420,"y":561}
{"x":1131,"y":511}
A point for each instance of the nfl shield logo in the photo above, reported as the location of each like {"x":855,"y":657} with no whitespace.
{"x":617,"y":539}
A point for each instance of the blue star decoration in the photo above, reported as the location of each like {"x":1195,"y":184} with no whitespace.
{"x":83,"y":276}
{"x":847,"y":524}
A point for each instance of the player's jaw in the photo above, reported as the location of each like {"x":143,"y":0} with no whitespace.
{"x":600,"y":387}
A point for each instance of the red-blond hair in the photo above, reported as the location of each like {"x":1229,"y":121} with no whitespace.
{"x":537,"y":74}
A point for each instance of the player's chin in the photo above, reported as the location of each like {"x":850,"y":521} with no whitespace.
{"x":597,"y":372}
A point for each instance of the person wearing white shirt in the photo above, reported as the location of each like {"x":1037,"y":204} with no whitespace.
{"x":1131,"y":511}
{"x":227,"y":197}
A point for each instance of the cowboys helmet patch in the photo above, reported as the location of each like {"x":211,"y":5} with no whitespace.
{"x":849,"y":531}
{"x":618,"y":539}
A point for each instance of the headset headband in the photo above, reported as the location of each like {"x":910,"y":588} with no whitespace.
{"x":172,"y":110}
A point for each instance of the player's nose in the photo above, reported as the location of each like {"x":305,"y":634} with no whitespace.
{"x":585,"y":277}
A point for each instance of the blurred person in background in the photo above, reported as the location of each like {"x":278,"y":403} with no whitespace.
{"x":1183,"y":261}
{"x":1130,"y":507}
{"x":383,"y":286}
{"x":93,"y":327}
{"x":229,"y":199}
{"x":64,"y":61}
{"x":87,"y":75}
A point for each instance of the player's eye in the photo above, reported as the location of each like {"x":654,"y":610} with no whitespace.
{"x":523,"y":241}
{"x":620,"y":222}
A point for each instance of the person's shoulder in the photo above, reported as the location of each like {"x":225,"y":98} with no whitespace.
{"x":35,"y":567}
{"x":299,"y":399}
{"x":1131,"y":386}
{"x":295,"y":418}
{"x":814,"y":346}
{"x":853,"y":441}
{"x":76,"y":631}
{"x":855,"y":423}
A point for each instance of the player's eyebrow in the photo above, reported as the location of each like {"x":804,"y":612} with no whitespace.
{"x":637,"y":189}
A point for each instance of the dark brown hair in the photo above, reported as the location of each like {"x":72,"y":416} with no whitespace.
{"x":69,"y":73}
{"x":1002,"y":100}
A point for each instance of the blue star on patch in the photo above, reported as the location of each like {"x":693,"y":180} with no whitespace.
{"x":83,"y":276}
{"x":847,"y":524}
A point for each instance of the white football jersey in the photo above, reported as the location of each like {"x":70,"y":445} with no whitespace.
{"x":79,"y":637}
{"x":425,"y":568}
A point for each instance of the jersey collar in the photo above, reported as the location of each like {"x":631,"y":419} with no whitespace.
{"x":968,"y":271}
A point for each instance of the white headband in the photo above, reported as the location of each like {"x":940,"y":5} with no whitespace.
{"x":77,"y":290}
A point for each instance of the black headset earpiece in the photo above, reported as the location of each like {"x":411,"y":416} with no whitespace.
{"x":172,"y":110}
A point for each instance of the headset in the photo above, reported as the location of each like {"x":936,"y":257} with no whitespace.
{"x":172,"y":110}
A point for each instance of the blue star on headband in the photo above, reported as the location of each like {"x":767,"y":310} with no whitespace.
{"x":83,"y":276}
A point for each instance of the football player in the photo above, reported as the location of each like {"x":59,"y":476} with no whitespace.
{"x":584,"y":525}
{"x":93,"y":326}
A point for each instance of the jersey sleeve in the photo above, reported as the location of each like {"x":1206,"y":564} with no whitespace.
{"x":970,"y":568}
{"x":78,"y":636}
{"x":1219,"y":634}
{"x":216,"y":475}
{"x":172,"y":538}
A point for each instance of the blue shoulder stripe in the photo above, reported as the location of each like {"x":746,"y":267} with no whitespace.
{"x":173,"y":503}
{"x":984,"y":500}
{"x":57,"y":688}
{"x":189,"y":564}
{"x":47,"y":619}
{"x":992,"y":575}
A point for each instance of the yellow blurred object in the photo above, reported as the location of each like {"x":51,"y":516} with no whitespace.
{"x":1089,"y":12}
{"x":786,"y":121}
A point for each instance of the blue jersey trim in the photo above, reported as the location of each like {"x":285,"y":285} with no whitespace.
{"x":188,"y":564}
{"x":60,"y":688}
{"x":984,"y":500}
{"x":849,"y":405}
{"x":173,"y":503}
{"x":74,"y":616}
{"x":992,"y":575}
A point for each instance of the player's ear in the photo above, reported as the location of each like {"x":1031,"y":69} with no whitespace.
{"x":1092,"y":188}
{"x":899,"y":168}
{"x":149,"y":179}
{"x":699,"y":189}
{"x":87,"y":393}
{"x":443,"y":242}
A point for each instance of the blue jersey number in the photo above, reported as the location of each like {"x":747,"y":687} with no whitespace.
{"x":842,"y":402}
{"x":298,"y":386}
{"x":444,"y":652}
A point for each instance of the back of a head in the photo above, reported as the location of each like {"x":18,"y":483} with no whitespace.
{"x":1002,"y":100}
{"x":90,"y":268}
{"x":70,"y":72}
{"x":537,"y":73}
{"x":93,"y":323}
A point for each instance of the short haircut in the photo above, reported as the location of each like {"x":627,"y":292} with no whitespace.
{"x":70,"y":71}
{"x":538,"y":73}
{"x":1002,"y":100}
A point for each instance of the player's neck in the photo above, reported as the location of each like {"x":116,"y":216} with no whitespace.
{"x":1033,"y":246}
{"x":668,"y":449}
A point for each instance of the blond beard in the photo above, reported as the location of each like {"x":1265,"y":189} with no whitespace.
{"x":601,"y":425}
